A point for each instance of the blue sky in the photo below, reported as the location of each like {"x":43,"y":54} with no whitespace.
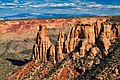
{"x":20,"y":9}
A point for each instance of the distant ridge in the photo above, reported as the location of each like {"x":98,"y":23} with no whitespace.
{"x":45,"y":15}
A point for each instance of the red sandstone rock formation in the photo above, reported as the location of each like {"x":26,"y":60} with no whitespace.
{"x":107,"y":29}
{"x":97,"y":26}
{"x":61,"y":39}
{"x":59,"y":47}
{"x":35,"y":52}
{"x":42,"y":45}
{"x":86,"y":33}
{"x":52,"y":56}
{"x":105,"y":42}
{"x":94,"y":51}
{"x":66,"y":44}
{"x":59,"y":51}
{"x":118,"y":29}
{"x":72,"y":39}
{"x":82,"y":36}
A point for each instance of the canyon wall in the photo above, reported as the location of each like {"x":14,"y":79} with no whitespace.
{"x":22,"y":29}
{"x":84,"y":37}
{"x":73,"y":53}
{"x":16,"y":34}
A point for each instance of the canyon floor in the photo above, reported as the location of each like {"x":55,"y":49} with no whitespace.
{"x":17,"y":38}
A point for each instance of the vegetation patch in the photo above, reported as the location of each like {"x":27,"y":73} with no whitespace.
{"x":26,"y":52}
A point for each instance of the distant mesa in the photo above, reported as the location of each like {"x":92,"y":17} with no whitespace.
{"x":43,"y":15}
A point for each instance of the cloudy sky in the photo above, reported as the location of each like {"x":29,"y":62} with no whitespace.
{"x":18,"y":9}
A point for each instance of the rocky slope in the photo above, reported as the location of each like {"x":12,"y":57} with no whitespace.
{"x":90,"y":47}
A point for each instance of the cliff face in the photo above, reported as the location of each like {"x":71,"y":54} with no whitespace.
{"x":84,"y":46}
{"x":22,"y":29}
{"x":41,"y":47}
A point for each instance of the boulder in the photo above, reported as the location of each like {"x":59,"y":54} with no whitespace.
{"x":94,"y":51}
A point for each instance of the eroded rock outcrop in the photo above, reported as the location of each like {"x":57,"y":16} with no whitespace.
{"x":59,"y":51}
{"x":59,"y":47}
{"x":97,"y":28}
{"x":118,"y":29}
{"x":42,"y":45}
{"x":104,"y":43}
{"x":83,"y":48}
{"x":81,"y":37}
{"x":72,"y":39}
{"x":51,"y":54}
{"x":88,"y":31}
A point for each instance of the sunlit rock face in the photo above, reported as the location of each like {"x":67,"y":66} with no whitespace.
{"x":82,"y":37}
{"x":42,"y":45}
{"x":59,"y":51}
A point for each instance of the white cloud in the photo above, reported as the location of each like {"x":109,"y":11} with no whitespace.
{"x":71,"y":7}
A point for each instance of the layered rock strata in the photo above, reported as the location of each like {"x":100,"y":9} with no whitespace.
{"x":40,"y":49}
{"x":81,"y":37}
{"x":75,"y":54}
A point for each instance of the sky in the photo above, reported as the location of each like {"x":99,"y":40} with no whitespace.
{"x":22,"y":9}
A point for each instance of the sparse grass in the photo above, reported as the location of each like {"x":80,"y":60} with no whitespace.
{"x":29,"y":40}
{"x":6,"y":66}
{"x":7,"y":59}
{"x":26,"y":52}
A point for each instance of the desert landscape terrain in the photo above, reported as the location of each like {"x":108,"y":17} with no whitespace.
{"x":84,"y":48}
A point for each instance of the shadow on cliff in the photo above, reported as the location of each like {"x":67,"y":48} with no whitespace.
{"x":91,"y":74}
{"x":18,"y":62}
